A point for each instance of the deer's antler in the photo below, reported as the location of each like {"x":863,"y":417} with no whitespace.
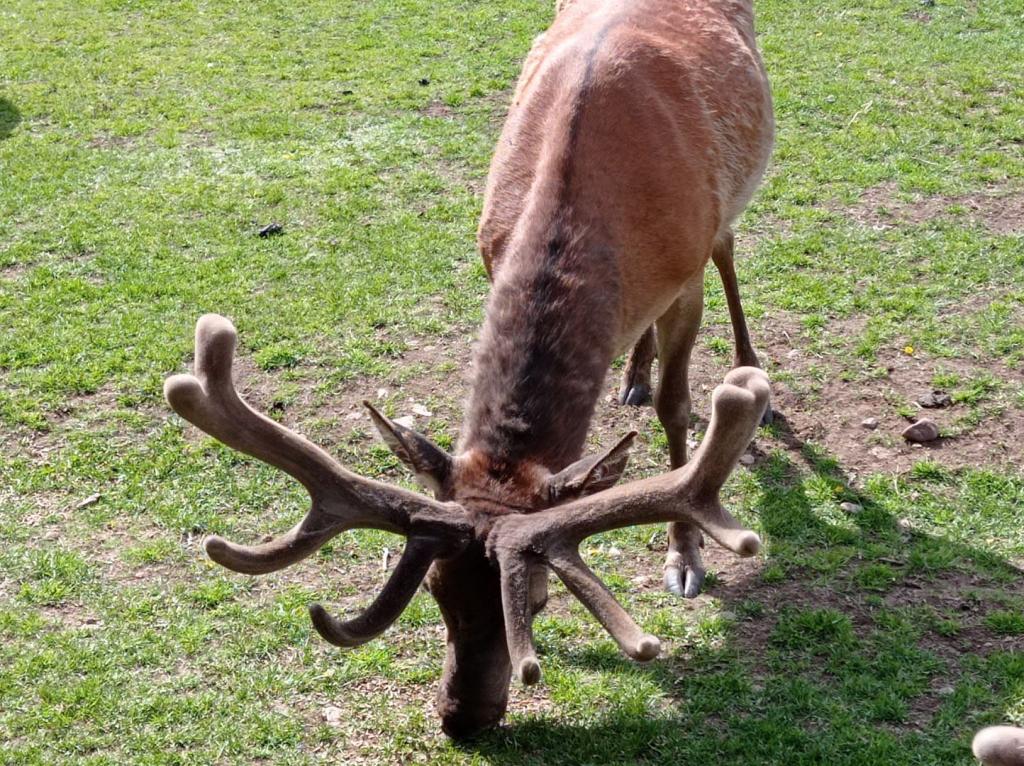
{"x":341,"y":500}
{"x":690,"y":493}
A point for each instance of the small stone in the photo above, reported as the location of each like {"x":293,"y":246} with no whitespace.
{"x":381,"y":393}
{"x":946,"y":691}
{"x":904,"y":525}
{"x":747,"y":459}
{"x":849,"y":507}
{"x":935,"y":399}
{"x":332,"y":715}
{"x":869,"y":423}
{"x":999,"y":745}
{"x":91,"y":500}
{"x":793,"y":353}
{"x":271,"y":230}
{"x":423,"y":412}
{"x":408,"y":421}
{"x":924,"y":430}
{"x":727,"y":616}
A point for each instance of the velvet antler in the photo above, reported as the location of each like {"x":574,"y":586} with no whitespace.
{"x":341,"y":500}
{"x":552,"y":537}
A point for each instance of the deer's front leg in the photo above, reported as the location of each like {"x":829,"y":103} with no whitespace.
{"x":677,"y":331}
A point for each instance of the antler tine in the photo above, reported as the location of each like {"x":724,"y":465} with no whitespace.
{"x":594,"y":595}
{"x":209,"y":401}
{"x":302,"y":540}
{"x":689,"y":493}
{"x":412,"y":567}
{"x":736,"y":408}
{"x":515,"y":602}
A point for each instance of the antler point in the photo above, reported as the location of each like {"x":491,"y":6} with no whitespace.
{"x":179,"y":390}
{"x":748,"y":544}
{"x":528,"y":671}
{"x":215,"y":547}
{"x":648,"y":648}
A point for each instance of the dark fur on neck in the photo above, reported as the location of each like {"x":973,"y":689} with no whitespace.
{"x":543,"y":353}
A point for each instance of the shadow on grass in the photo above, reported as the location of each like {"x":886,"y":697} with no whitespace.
{"x":858,"y":641}
{"x":9,"y":118}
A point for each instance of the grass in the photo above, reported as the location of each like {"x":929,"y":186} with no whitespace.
{"x":142,"y":147}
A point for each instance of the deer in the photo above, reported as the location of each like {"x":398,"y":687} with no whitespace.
{"x":637,"y":133}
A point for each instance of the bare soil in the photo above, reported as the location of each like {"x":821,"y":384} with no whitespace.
{"x":1001,"y":211}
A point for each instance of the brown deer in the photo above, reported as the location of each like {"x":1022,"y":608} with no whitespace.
{"x":638,"y":131}
{"x":637,"y":134}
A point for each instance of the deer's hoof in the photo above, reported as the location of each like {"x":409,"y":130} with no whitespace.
{"x":636,"y":396}
{"x":686,"y":581}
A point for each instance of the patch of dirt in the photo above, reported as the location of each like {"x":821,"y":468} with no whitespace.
{"x":459,"y":176}
{"x":881,"y":207}
{"x":15,"y":271}
{"x":439,"y":109}
{"x":831,"y":411}
{"x":108,"y":141}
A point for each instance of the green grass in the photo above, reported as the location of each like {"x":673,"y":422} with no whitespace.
{"x":142,"y":147}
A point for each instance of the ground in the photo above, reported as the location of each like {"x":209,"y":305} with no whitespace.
{"x":144,"y":145}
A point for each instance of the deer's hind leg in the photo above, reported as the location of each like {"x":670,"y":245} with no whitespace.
{"x":636,"y":378}
{"x":743,"y":355}
{"x":677,"y":331}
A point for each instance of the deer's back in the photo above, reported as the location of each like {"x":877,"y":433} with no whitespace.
{"x":645,"y":127}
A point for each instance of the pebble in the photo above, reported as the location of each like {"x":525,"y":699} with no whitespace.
{"x":851,"y":507}
{"x":946,"y":691}
{"x":747,"y":459}
{"x":869,"y":423}
{"x":924,"y":430}
{"x":419,"y":409}
{"x":91,"y":500}
{"x":935,"y":399}
{"x":406,"y":420}
{"x":332,"y":715}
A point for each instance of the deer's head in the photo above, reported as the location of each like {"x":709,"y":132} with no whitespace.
{"x":484,"y":544}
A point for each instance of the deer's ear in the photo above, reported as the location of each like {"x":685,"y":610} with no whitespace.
{"x":591,"y":474}
{"x":431,"y":465}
